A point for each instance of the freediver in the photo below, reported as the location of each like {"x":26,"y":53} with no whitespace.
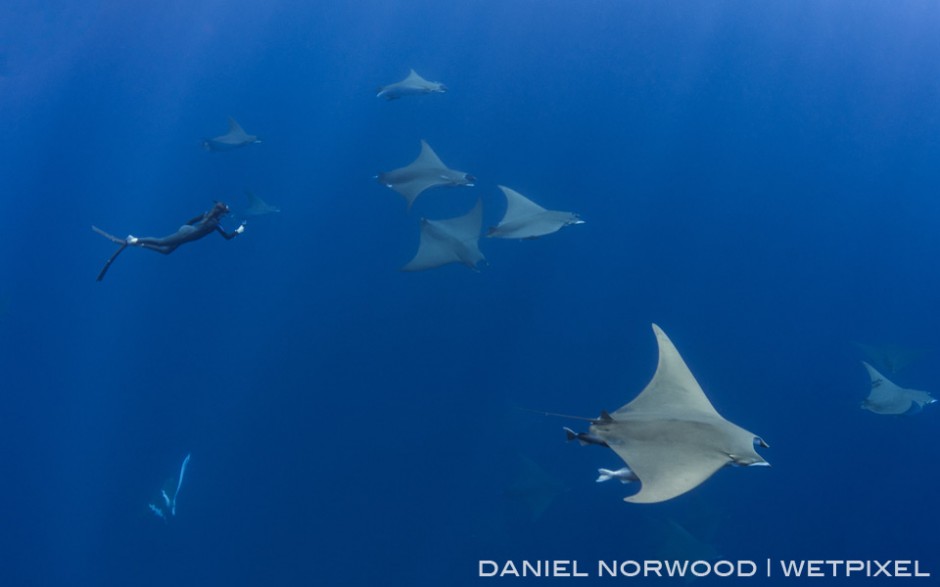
{"x":195,"y":229}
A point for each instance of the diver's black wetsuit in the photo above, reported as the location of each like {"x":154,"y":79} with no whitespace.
{"x":198,"y":227}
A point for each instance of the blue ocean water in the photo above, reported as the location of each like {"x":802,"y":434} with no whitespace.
{"x":759,"y":179}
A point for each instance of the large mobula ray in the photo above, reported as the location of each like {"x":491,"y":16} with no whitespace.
{"x":425,"y":172}
{"x":235,"y":137}
{"x":455,"y":240}
{"x":526,"y":219}
{"x":412,"y":85}
{"x":887,"y":398}
{"x":670,"y":436}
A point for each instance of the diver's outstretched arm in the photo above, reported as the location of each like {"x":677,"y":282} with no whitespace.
{"x":230,"y":235}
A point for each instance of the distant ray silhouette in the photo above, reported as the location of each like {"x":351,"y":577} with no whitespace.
{"x":891,"y":357}
{"x":257,"y":206}
{"x":672,"y":541}
{"x":165,"y":504}
{"x":533,"y":488}
{"x":524,"y":219}
{"x":425,"y":172}
{"x":887,"y":398}
{"x":455,"y":240}
{"x":412,"y":85}
{"x":235,"y":137}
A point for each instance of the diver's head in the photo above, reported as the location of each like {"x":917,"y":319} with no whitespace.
{"x":219,"y":209}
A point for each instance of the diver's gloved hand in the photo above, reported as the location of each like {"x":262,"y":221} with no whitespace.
{"x":241,"y":228}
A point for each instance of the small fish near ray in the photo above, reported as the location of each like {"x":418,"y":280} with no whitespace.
{"x":412,"y":85}
{"x":670,"y":435}
{"x":624,"y":474}
{"x":583,"y":438}
{"x":235,"y":137}
{"x":524,"y":219}
{"x":425,"y":172}
{"x":257,"y":206}
{"x":887,"y":398}
{"x":455,"y":240}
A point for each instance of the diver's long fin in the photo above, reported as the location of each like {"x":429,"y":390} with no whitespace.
{"x":107,"y":264}
{"x":110,"y":237}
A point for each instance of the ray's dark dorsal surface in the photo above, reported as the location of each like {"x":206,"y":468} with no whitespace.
{"x":412,"y":85}
{"x":886,"y":397}
{"x":524,"y":219}
{"x":670,"y":436}
{"x":235,"y":137}
{"x":425,"y":172}
{"x":196,"y":228}
{"x":455,"y":240}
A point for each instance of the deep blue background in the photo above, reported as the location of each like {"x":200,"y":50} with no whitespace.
{"x":758,"y":178}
